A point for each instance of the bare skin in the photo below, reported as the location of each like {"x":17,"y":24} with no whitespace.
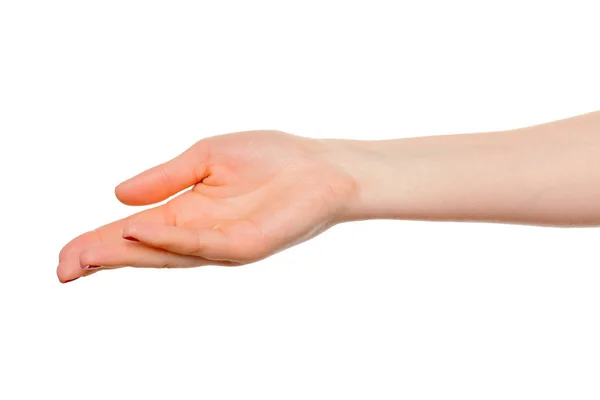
{"x":253,"y":194}
{"x":256,"y":193}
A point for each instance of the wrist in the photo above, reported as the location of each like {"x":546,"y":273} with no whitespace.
{"x":446,"y":177}
{"x":371,"y":166}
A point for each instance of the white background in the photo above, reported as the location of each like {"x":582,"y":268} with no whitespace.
{"x":92,"y":93}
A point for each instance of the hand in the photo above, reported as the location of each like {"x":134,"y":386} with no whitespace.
{"x":253,"y":194}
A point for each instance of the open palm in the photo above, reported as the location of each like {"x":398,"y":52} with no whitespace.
{"x":253,"y":194}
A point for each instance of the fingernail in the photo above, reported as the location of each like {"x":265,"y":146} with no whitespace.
{"x":130,"y":238}
{"x":90,"y":267}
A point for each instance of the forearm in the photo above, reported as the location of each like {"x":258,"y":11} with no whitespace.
{"x":546,"y":174}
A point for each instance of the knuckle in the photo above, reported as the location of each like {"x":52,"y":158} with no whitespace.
{"x":88,"y":257}
{"x":164,"y":175}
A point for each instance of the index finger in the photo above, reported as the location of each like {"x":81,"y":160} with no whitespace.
{"x":69,"y":267}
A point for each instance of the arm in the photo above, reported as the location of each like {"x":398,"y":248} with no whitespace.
{"x":544,"y":175}
{"x":257,"y":193}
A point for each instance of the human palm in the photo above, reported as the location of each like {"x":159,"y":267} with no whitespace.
{"x":253,"y":194}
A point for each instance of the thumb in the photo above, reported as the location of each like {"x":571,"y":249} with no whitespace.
{"x":167,"y":179}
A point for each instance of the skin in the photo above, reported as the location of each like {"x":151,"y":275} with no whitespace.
{"x":252,"y":194}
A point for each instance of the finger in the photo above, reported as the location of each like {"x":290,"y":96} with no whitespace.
{"x":69,"y":267}
{"x":167,"y":179}
{"x":131,"y":254}
{"x":208,"y":243}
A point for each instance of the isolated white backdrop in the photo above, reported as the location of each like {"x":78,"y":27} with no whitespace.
{"x":92,"y":93}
